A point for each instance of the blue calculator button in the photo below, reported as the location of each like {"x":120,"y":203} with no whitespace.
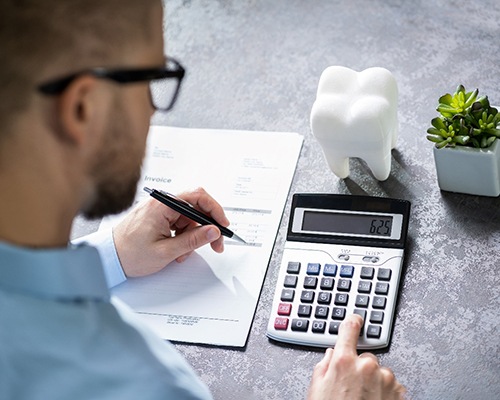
{"x":313,"y":269}
{"x":330,"y":270}
{"x":346,"y":271}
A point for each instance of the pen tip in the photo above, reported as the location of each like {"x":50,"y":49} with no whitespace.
{"x":146,"y":189}
{"x":236,"y":237}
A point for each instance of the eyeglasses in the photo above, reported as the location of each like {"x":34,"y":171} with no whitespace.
{"x":164,"y":82}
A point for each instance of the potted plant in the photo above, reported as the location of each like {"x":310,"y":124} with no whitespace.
{"x":467,"y":150}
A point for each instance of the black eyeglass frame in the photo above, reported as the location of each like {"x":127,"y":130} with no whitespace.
{"x":123,"y":76}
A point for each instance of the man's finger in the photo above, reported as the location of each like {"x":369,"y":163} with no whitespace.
{"x":195,"y":238}
{"x":369,"y":355}
{"x":348,"y":334}
{"x":201,"y":200}
{"x":192,"y":239}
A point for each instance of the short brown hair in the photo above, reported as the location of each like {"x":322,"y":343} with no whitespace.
{"x":43,"y":39}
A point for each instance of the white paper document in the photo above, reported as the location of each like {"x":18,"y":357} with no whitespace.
{"x":211,"y":298}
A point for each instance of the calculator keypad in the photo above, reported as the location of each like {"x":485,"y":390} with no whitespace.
{"x":317,"y":296}
{"x":321,"y":302}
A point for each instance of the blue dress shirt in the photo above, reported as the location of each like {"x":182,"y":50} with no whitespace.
{"x":63,"y":337}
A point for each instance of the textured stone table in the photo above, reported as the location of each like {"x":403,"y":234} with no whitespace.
{"x":255,"y":65}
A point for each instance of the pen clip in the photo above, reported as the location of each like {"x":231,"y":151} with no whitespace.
{"x":167,"y":194}
{"x":174,"y":197}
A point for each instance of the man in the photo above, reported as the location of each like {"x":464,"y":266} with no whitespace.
{"x":78,"y":85}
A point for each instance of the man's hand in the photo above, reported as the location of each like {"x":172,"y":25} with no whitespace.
{"x":153,"y":235}
{"x":343,"y":375}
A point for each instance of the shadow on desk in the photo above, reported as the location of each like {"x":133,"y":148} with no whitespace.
{"x":361,"y":181}
{"x":478,"y":208}
{"x":322,"y":349}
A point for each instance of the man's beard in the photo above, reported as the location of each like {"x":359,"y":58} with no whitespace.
{"x":112,"y":198}
{"x":116,"y":170}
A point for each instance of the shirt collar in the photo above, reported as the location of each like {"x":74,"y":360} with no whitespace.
{"x":73,"y":273}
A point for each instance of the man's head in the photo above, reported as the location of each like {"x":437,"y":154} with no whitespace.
{"x":94,"y":124}
{"x":41,"y":40}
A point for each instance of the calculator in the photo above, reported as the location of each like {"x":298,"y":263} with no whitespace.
{"x":343,"y":254}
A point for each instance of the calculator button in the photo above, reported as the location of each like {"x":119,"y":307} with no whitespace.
{"x":287,"y":294}
{"x":293,"y":267}
{"x":367,"y":272}
{"x":284,"y":309}
{"x":324,"y":298}
{"x":377,"y":317}
{"x":384,"y":274}
{"x":313,"y":269}
{"x":344,"y":257}
{"x":281,"y":323}
{"x":341,"y":299}
{"x":373,"y":331}
{"x":338,"y":313}
{"x":360,"y":312}
{"x":304,"y":311}
{"x":363,"y":315}
{"x":382,"y":288}
{"x":310,"y":282}
{"x":364,"y":287}
{"x":379,"y":302}
{"x":290,"y":281}
{"x":334,"y":328}
{"x":327,"y":283}
{"x":344,"y":285}
{"x":346,"y":271}
{"x":300,"y":325}
{"x":318,"y":326}
{"x":307,"y":296}
{"x":321,"y":312}
{"x":362,"y":301}
{"x":330,"y":270}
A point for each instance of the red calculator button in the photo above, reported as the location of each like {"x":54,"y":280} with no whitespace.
{"x":281,"y":323}
{"x":284,"y":309}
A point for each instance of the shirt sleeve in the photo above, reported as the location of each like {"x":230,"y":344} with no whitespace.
{"x":103,"y":241}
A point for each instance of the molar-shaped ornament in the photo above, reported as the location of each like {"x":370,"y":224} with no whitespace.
{"x":355,"y":115}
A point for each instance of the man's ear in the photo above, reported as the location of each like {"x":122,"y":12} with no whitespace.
{"x":77,"y":109}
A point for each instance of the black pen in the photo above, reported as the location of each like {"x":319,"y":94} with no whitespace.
{"x":186,"y":209}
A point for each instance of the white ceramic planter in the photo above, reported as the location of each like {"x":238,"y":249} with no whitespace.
{"x":469,"y":170}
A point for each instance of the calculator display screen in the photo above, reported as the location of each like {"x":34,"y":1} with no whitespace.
{"x":347,"y":223}
{"x":348,"y":219}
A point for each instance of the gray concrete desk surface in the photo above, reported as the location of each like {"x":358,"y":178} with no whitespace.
{"x":255,"y":65}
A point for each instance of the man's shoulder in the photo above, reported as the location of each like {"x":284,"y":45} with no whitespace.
{"x":88,"y":347}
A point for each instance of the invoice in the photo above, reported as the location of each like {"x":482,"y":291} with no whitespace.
{"x":211,"y":298}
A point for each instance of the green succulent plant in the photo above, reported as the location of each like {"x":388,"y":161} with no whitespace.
{"x":464,"y":120}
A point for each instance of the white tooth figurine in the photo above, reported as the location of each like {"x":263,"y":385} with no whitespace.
{"x":355,"y":115}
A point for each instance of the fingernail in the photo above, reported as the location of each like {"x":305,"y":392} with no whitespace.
{"x":212,"y":234}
